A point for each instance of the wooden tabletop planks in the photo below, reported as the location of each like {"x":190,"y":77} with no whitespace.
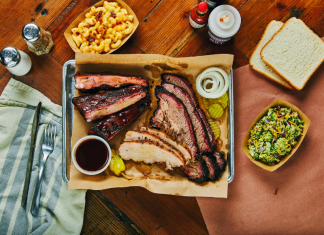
{"x":103,"y":217}
{"x":164,"y":29}
{"x":158,"y":214}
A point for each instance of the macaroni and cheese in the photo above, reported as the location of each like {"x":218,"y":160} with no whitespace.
{"x":103,"y":29}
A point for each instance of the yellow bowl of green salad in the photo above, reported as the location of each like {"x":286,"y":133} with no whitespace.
{"x":275,"y":135}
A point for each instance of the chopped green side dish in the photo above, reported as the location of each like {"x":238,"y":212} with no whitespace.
{"x":274,"y":135}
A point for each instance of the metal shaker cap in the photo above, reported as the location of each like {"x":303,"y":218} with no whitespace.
{"x":9,"y":57}
{"x":31,"y":32}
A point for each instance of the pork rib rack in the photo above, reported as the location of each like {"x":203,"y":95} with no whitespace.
{"x":172,"y":117}
{"x":88,"y":82}
{"x":113,"y":123}
{"x":97,"y":106}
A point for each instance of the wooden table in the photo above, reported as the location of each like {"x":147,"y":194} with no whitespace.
{"x":164,"y":29}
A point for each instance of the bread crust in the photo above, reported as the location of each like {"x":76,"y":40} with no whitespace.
{"x":263,"y":35}
{"x":276,"y":81}
{"x":282,"y":76}
{"x":260,"y":71}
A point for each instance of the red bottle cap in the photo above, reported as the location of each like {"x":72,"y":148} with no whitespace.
{"x":202,"y":7}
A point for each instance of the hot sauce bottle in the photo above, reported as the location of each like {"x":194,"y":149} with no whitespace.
{"x":198,"y":17}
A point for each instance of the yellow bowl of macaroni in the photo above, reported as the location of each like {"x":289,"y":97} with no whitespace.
{"x":102,"y":28}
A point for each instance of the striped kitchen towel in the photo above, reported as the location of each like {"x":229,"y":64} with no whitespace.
{"x":61,"y":210}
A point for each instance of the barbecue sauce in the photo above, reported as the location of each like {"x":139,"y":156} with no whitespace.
{"x":92,"y":155}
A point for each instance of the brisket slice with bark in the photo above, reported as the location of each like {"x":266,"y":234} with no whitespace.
{"x":111,"y":125}
{"x":97,"y":106}
{"x":88,"y":82}
{"x":220,"y":159}
{"x":213,"y":168}
{"x":209,"y":167}
{"x":180,"y":82}
{"x":199,"y":128}
{"x":196,"y":171}
{"x":208,"y":129}
{"x":172,"y":117}
{"x":185,"y":84}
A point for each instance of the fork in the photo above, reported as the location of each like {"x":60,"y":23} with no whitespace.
{"x":47,"y":149}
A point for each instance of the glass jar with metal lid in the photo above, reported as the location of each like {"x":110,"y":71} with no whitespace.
{"x":16,"y":61}
{"x":38,"y":40}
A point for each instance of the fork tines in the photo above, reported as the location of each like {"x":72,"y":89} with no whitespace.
{"x":49,"y":135}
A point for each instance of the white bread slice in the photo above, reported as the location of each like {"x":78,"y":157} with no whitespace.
{"x":294,"y":53}
{"x":257,"y":63}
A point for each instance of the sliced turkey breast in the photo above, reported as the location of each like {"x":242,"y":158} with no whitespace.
{"x":148,"y":152}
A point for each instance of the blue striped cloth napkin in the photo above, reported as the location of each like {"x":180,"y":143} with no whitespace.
{"x":61,"y":210}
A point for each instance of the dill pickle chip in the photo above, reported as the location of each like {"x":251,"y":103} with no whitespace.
{"x":223,"y":100}
{"x":215,"y":111}
{"x":206,"y":103}
{"x":215,"y":128}
{"x":212,"y":101}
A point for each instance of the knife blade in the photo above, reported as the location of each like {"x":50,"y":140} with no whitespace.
{"x":31,"y":153}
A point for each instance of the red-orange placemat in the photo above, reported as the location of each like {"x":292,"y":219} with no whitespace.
{"x":290,"y":199}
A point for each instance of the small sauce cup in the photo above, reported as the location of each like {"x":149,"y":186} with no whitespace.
{"x":91,"y":155}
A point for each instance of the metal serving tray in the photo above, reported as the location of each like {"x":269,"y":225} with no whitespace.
{"x":68,"y":94}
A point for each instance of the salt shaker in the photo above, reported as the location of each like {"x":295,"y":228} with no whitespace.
{"x":16,"y":61}
{"x":223,"y":23}
{"x":39,"y":41}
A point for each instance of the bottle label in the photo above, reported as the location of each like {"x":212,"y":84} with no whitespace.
{"x":194,"y":24}
{"x":217,"y":40}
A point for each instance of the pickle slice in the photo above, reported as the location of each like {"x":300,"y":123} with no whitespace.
{"x":215,"y":128}
{"x":206,"y":102}
{"x":223,"y":100}
{"x":215,"y":111}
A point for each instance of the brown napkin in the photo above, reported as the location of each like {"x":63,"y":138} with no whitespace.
{"x":288,"y":200}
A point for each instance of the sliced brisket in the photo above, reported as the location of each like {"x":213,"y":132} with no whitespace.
{"x":97,"y":106}
{"x":199,"y":128}
{"x":180,"y":82}
{"x":196,"y":171}
{"x":209,"y":131}
{"x":220,"y":160}
{"x":185,"y":84}
{"x":172,"y":117}
{"x":213,"y":168}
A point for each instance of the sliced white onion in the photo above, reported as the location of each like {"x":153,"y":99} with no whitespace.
{"x":219,"y":82}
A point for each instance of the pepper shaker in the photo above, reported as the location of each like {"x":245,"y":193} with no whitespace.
{"x":212,"y":3}
{"x":39,"y":41}
{"x":16,"y":61}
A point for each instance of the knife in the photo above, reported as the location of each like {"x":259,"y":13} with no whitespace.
{"x":31,"y":153}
